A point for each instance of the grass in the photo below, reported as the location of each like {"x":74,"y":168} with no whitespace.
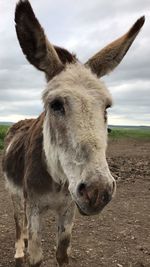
{"x":139,"y":133}
{"x":117,"y":133}
{"x":3,"y":131}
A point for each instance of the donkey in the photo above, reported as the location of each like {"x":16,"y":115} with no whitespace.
{"x":58,"y":160}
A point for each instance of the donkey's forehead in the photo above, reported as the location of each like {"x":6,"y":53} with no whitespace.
{"x":77,"y":79}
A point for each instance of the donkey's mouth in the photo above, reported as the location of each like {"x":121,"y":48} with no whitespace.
{"x":81,"y":211}
{"x":89,"y":210}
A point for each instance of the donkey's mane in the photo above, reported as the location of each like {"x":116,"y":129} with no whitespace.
{"x":65,"y":56}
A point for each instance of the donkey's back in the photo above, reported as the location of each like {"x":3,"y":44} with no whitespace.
{"x":14,"y":155}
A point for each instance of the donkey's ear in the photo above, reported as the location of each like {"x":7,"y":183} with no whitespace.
{"x":111,"y":55}
{"x":33,"y":41}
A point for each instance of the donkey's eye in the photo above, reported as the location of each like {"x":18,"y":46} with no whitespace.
{"x":57,"y":106}
{"x":108,"y":106}
{"x":105,"y":112}
{"x":105,"y":115}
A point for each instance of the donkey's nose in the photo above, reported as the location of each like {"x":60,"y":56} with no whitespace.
{"x":81,"y":189}
{"x":94,"y":196}
{"x":106,"y":197}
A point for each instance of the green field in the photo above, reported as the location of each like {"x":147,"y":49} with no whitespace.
{"x":3,"y":131}
{"x":135,"y":133}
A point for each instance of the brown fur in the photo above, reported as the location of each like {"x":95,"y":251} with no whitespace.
{"x":13,"y":162}
{"x":28,"y":157}
{"x":136,"y":27}
{"x":41,"y":54}
{"x":61,"y":254}
{"x":110,"y":56}
{"x":65,"y":56}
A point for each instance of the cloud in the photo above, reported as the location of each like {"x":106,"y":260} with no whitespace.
{"x":84,"y":28}
{"x":131,"y":102}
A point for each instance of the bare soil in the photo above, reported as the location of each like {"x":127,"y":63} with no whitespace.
{"x":119,"y":236}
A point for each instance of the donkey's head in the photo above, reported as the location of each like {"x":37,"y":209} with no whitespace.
{"x":75,"y":103}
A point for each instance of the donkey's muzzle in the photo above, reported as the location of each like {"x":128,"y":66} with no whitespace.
{"x":93,"y":198}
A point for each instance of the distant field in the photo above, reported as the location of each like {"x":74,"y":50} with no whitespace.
{"x":135,"y":133}
{"x":3,"y":130}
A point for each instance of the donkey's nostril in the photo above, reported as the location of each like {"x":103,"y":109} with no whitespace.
{"x":106,"y":197}
{"x":81,"y":189}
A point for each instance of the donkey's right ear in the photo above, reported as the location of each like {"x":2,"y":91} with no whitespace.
{"x":33,"y":41}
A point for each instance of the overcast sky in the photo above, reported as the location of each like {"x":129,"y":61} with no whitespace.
{"x":83,"y":27}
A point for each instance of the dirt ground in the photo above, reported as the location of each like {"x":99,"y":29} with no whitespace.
{"x":119,"y":236}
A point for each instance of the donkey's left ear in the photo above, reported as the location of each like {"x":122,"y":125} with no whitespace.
{"x":33,"y":41}
{"x":110,"y":56}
